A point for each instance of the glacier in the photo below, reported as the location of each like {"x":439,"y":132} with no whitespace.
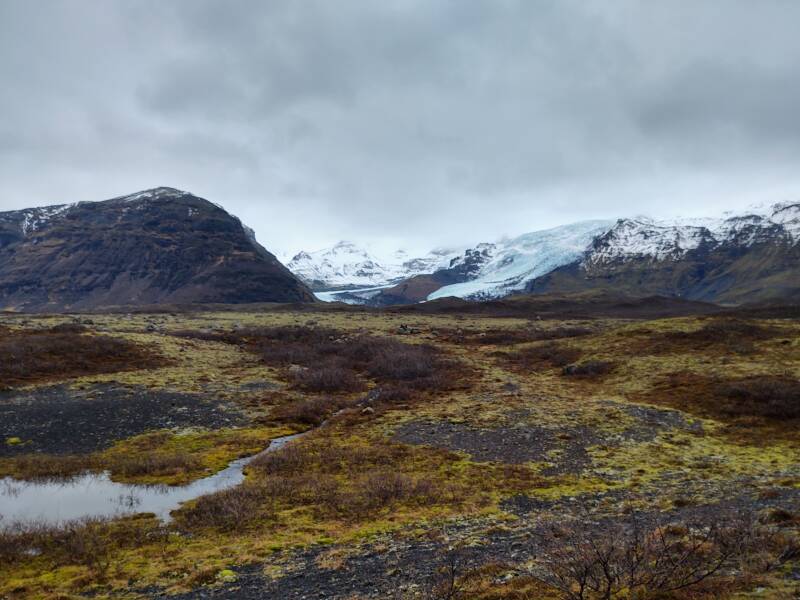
{"x":515,"y":262}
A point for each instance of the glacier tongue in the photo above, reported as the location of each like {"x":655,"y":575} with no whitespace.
{"x":514,"y":262}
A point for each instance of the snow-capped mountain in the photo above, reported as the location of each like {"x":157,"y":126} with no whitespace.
{"x":670,"y":257}
{"x":643,"y":238}
{"x":747,"y":257}
{"x":498,"y":269}
{"x":347,"y":265}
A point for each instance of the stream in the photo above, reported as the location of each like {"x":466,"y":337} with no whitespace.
{"x":94,"y":495}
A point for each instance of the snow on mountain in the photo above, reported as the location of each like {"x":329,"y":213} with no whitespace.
{"x":508,"y":264}
{"x":35,"y":218}
{"x":347,"y":265}
{"x":491,"y":270}
{"x":646,"y":238}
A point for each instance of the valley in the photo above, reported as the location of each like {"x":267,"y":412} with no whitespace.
{"x":467,"y":451}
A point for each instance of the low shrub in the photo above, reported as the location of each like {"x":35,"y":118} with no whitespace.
{"x":768,"y":397}
{"x":545,"y":355}
{"x":726,"y":335}
{"x":589,"y":370}
{"x":62,"y":352}
{"x":328,"y":378}
{"x":644,"y":559}
{"x":324,"y":360}
{"x":308,"y":411}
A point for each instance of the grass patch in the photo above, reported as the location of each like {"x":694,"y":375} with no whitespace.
{"x":350,"y":481}
{"x":161,"y":457}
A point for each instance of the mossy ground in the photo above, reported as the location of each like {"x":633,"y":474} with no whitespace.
{"x":638,"y":448}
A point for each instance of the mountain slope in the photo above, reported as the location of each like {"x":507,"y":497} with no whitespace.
{"x":156,"y":246}
{"x":743,"y":258}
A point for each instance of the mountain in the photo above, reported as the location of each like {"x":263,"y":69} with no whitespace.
{"x":153,"y":247}
{"x":491,"y":270}
{"x":349,"y":266}
{"x":750,"y":257}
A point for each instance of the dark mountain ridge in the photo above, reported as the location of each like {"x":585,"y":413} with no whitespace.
{"x":158,"y":246}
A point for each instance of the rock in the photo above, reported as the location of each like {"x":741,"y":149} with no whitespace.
{"x":297,"y":369}
{"x":368,"y":410}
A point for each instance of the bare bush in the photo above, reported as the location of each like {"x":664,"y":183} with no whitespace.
{"x":600,"y":561}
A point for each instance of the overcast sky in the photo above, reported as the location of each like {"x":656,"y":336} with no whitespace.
{"x":403,"y":123}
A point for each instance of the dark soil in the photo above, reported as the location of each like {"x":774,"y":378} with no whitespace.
{"x":59,"y":420}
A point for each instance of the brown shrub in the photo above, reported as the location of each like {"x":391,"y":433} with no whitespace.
{"x":544,"y":355}
{"x":649,"y":560}
{"x":328,"y":378}
{"x":68,"y":328}
{"x":30,"y":356}
{"x":772,"y":399}
{"x":152,"y":463}
{"x":232,"y":509}
{"x":726,"y":335}
{"x":768,"y":397}
{"x":335,"y":360}
{"x":591,"y":369}
{"x":308,"y":411}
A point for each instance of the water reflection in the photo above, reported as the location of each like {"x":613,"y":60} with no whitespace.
{"x":95,"y":495}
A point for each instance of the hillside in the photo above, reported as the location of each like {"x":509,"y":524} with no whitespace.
{"x":153,"y":247}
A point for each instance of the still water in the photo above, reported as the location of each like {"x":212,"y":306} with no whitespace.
{"x":95,"y":495}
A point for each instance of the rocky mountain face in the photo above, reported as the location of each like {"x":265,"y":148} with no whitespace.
{"x":742,"y":258}
{"x":153,"y":247}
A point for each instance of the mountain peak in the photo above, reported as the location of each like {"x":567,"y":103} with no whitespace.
{"x":156,"y":193}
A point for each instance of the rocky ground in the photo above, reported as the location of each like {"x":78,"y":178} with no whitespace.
{"x":61,"y":420}
{"x":406,"y":486}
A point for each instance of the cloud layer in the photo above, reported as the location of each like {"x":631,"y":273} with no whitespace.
{"x":408,"y":122}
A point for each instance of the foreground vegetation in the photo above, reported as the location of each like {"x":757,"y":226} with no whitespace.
{"x":489,"y":457}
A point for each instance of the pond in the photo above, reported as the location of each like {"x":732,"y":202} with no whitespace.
{"x":94,"y":495}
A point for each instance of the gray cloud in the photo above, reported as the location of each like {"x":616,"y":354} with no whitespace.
{"x":408,"y":122}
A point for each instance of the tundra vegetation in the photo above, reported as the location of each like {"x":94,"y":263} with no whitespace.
{"x":445,"y":456}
